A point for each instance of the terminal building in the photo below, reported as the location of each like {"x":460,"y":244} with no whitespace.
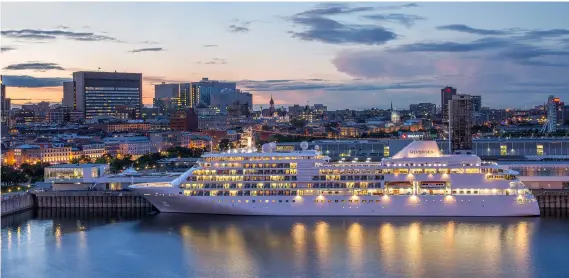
{"x":489,"y":149}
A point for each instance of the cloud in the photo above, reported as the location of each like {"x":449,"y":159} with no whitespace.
{"x":542,"y":34}
{"x":514,"y":33}
{"x":7,"y":48}
{"x":333,"y":9}
{"x":150,"y":42}
{"x":466,"y":29}
{"x":318,"y":26}
{"x":476,"y":45}
{"x":376,"y":64}
{"x":160,"y":79}
{"x":340,"y":86}
{"x":330,"y":31}
{"x":27,"y":81}
{"x":497,"y":75}
{"x":37,"y":66}
{"x":62,"y":27}
{"x":39,"y":34}
{"x":153,"y":49}
{"x":404,"y":19}
{"x":210,"y":45}
{"x":214,"y":61}
{"x":238,"y":29}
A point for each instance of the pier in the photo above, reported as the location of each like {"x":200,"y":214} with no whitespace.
{"x":549,"y":200}
{"x":552,"y":200}
{"x":16,"y":202}
{"x":91,"y":199}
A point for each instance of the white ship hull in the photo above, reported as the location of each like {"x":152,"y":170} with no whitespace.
{"x":307,"y":205}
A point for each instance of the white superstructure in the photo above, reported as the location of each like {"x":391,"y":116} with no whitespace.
{"x":417,"y":181}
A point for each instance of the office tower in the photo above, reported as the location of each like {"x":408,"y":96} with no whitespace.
{"x":167,"y":98}
{"x":460,"y":122}
{"x":201,"y":91}
{"x":100,"y":93}
{"x":446,"y":95}
{"x":5,"y":107}
{"x":423,"y":109}
{"x":476,"y":103}
{"x":69,"y":94}
{"x":228,"y":97}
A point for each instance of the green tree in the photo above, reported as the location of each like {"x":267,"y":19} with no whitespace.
{"x":12,"y":176}
{"x":104,"y":159}
{"x":81,"y":160}
{"x":223,"y":144}
{"x":298,"y":123}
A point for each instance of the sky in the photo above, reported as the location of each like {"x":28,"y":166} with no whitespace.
{"x":344,"y":55}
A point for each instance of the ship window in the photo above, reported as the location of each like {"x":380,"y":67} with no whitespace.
{"x":377,"y":201}
{"x":335,"y":201}
{"x":293,"y":201}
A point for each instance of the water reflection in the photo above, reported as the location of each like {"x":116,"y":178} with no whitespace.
{"x":136,"y":244}
{"x":434,"y":247}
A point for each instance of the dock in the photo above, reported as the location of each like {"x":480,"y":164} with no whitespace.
{"x":91,"y":199}
{"x":550,"y":201}
{"x":16,"y":202}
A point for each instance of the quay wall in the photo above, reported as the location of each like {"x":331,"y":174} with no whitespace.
{"x":549,"y":200}
{"x":91,"y":199}
{"x":16,"y":202}
{"x":552,"y":200}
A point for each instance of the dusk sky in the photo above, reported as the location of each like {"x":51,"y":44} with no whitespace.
{"x":356,"y":55}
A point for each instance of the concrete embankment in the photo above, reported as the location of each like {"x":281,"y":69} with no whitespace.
{"x":91,"y":199}
{"x":552,"y":200}
{"x":16,"y":202}
{"x":549,"y":200}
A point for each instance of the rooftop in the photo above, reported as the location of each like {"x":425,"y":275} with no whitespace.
{"x":88,"y":165}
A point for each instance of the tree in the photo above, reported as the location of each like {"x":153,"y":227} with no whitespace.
{"x":298,"y":123}
{"x":104,"y":159}
{"x":12,"y":176}
{"x":223,"y":144}
{"x":34,"y":172}
{"x":81,"y":160}
{"x":118,"y":164}
{"x":148,"y":160}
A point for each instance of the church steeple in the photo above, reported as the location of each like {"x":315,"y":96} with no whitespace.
{"x":272,"y":102}
{"x":391,"y":106}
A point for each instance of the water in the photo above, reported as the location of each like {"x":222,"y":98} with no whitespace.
{"x":71,"y":243}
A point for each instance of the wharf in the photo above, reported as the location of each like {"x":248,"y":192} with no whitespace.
{"x":549,"y":200}
{"x":552,"y":200}
{"x":91,"y":199}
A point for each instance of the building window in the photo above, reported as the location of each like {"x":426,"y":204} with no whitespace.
{"x":539,"y":149}
{"x":503,"y":150}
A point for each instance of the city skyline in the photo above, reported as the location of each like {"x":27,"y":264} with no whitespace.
{"x":356,"y":55}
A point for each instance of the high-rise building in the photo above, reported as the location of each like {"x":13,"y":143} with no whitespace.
{"x":184,"y":120}
{"x":69,"y":94}
{"x":460,"y":122}
{"x":5,"y":107}
{"x":476,"y":103}
{"x":226,"y":97}
{"x":446,"y":95}
{"x":201,"y":91}
{"x":100,"y":93}
{"x":169,"y":98}
{"x":423,"y":109}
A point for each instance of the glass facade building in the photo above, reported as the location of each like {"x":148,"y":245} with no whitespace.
{"x":103,"y":93}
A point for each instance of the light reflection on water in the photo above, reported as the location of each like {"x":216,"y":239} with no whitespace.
{"x":174,"y":245}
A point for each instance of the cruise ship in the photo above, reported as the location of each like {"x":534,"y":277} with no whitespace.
{"x":417,"y":181}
